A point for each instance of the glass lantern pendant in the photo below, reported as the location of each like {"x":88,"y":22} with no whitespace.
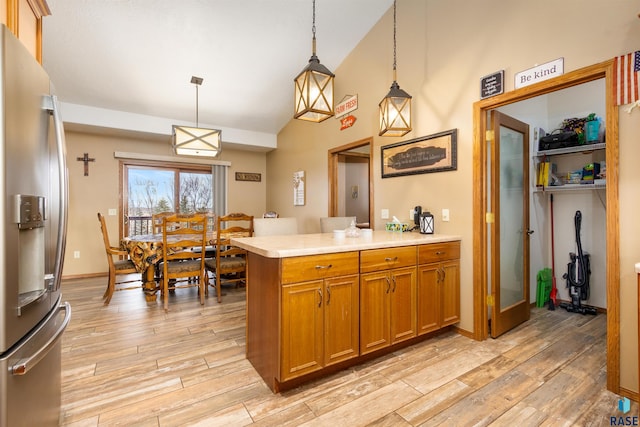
{"x":313,"y":98}
{"x":395,"y":112}
{"x":395,"y":108}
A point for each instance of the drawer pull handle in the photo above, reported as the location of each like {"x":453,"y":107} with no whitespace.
{"x":440,"y":252}
{"x":320,"y":267}
{"x":389,"y":259}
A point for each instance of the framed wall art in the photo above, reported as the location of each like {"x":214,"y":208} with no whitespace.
{"x":248,"y":176}
{"x":432,"y":153}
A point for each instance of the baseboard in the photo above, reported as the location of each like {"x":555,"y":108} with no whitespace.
{"x":633,"y":395}
{"x":600,"y":310}
{"x":463,"y":332}
{"x":85,"y":276}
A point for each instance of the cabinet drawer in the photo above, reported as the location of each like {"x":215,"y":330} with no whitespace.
{"x":314,"y":267}
{"x":385,"y":259}
{"x":436,"y":252}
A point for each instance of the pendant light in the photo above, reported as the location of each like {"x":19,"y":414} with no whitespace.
{"x":313,"y":96}
{"x":395,"y":108}
{"x":196,"y":141}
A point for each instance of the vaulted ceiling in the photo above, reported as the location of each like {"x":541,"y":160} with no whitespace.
{"x":138,"y":56}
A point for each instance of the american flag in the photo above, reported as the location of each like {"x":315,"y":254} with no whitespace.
{"x":626,"y":72}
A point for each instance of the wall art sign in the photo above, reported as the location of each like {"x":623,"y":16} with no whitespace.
{"x":540,"y":73}
{"x":347,"y":122}
{"x":433,"y":153}
{"x":248,"y":176}
{"x":298,"y":188}
{"x":348,"y":104}
{"x":492,"y":85}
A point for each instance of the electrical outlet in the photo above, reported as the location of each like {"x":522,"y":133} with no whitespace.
{"x":384,"y":214}
{"x":76,"y":254}
{"x":445,"y":215}
{"x":412,"y":212}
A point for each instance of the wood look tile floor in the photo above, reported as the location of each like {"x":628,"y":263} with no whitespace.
{"x":131,"y":363}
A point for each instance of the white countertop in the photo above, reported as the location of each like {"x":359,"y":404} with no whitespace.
{"x":325,"y":243}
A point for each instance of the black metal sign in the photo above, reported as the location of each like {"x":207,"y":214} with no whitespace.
{"x":492,"y":85}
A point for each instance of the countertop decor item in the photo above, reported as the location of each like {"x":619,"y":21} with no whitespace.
{"x":426,"y":223}
{"x":397,"y":226}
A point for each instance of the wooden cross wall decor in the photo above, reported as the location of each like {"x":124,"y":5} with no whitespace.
{"x":86,"y":161}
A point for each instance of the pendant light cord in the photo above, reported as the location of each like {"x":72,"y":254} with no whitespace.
{"x":394,"y":41}
{"x":313,"y":30}
{"x":196,"y":105}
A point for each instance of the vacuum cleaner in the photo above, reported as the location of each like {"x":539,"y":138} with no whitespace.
{"x":577,"y":276}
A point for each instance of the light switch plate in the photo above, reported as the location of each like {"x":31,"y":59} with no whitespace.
{"x":112,"y":212}
{"x":445,"y":215}
{"x":384,"y":214}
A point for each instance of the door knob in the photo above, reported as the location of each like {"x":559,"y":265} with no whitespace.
{"x":530,"y":232}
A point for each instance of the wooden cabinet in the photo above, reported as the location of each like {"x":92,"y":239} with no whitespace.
{"x":24,"y":20}
{"x":320,"y":314}
{"x":438,"y":286}
{"x":387,"y":297}
{"x":311,"y":315}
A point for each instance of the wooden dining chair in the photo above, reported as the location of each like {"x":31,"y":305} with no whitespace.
{"x":117,"y":266}
{"x":210,"y":250}
{"x":181,"y":266}
{"x":275,"y":226}
{"x":156,"y":221}
{"x":230,"y":263}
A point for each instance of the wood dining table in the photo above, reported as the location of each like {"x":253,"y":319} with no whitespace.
{"x":145,"y":251}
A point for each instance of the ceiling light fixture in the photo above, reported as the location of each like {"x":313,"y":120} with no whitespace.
{"x":395,"y":108}
{"x":196,"y":141}
{"x":314,"y":87}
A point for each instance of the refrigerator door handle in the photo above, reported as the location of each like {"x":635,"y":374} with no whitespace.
{"x":24,"y":365}
{"x":51,"y":104}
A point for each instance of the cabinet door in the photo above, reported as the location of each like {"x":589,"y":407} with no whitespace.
{"x":450,"y":292}
{"x":302,"y":325}
{"x":428,"y":298}
{"x":403,"y":303}
{"x":341,"y":319}
{"x":375,"y":332}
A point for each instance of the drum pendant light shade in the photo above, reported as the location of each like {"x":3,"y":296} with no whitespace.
{"x":395,"y":108}
{"x":313,"y":97}
{"x":196,"y":141}
{"x":190,"y":141}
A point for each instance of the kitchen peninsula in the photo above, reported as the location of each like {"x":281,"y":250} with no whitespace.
{"x":317,"y":304}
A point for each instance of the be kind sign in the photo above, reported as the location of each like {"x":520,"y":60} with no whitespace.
{"x":539,"y":73}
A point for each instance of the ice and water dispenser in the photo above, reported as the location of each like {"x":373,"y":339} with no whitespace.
{"x":29,"y":215}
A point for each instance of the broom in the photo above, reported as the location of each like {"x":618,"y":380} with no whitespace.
{"x":554,"y":290}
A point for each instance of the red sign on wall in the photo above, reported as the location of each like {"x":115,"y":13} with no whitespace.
{"x":347,"y":122}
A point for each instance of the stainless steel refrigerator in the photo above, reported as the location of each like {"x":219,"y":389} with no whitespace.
{"x":33,"y":221}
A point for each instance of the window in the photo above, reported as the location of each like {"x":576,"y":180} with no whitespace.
{"x":151,"y":188}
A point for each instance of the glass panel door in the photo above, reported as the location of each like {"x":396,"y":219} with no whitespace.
{"x":510,"y":238}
